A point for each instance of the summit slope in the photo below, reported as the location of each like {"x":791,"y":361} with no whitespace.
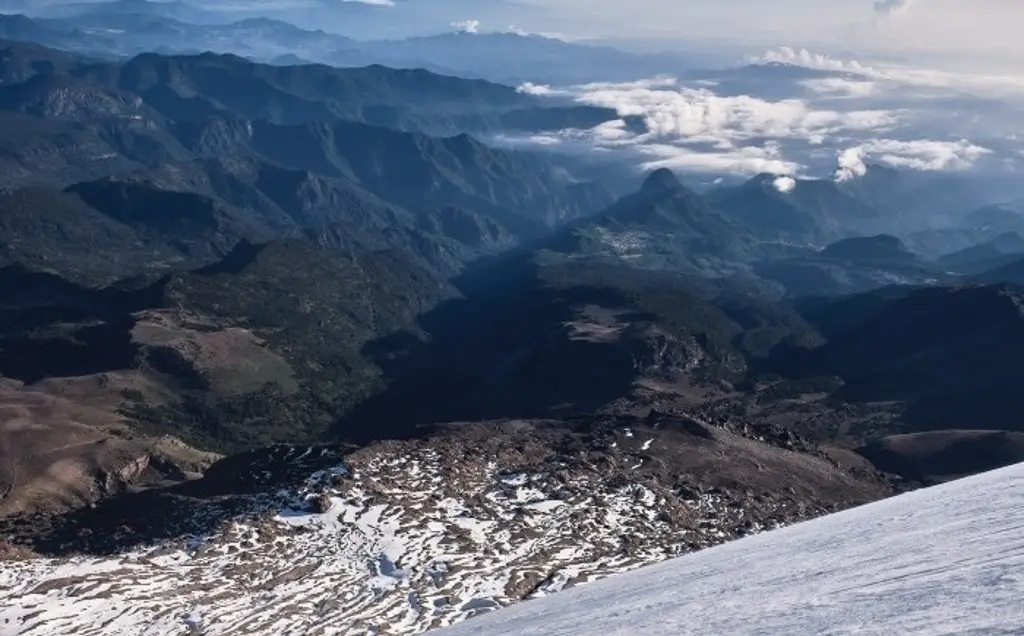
{"x":397,"y":538}
{"x":943,"y":560}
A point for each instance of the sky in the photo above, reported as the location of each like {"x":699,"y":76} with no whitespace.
{"x":969,"y":27}
{"x":957,"y":31}
{"x":991,"y":25}
{"x":984,"y":29}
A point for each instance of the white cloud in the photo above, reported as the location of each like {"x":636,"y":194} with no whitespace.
{"x":994,"y":85}
{"x":612,"y":132}
{"x":840,"y":87}
{"x":700,"y":115}
{"x":893,"y":7}
{"x":925,"y":154}
{"x":850,"y":165}
{"x":466,"y":26}
{"x":809,"y":59}
{"x":746,"y":160}
{"x":530,"y":88}
{"x":693,"y":128}
{"x":534,"y":89}
{"x":921,"y":154}
{"x":551,"y":35}
{"x":648,"y":83}
{"x":784,"y":184}
{"x":379,"y":3}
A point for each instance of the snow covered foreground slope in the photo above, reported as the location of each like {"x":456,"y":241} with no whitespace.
{"x":945,"y":560}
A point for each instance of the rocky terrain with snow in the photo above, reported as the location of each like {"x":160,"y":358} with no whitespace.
{"x":401,"y":537}
{"x":942,"y":560}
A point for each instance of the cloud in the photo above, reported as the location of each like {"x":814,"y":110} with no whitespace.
{"x":550,"y":35}
{"x":808,"y":59}
{"x":530,"y":88}
{"x":700,"y":115}
{"x":926,"y":154}
{"x":378,"y":3}
{"x":466,"y":26}
{"x":693,"y":128}
{"x":840,"y":87}
{"x":784,"y":184}
{"x":921,"y":154}
{"x":893,"y":7}
{"x":898,"y":77}
{"x":747,"y":160}
{"x":850,"y":165}
{"x":838,"y":123}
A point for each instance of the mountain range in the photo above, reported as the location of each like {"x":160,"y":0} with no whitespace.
{"x":250,"y":310}
{"x":124,"y":29}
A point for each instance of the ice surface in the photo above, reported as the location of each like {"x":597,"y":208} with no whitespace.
{"x":945,"y":560}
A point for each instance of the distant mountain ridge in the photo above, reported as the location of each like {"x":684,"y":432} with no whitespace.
{"x":192,"y":126}
{"x":130,"y":27}
{"x":812,"y":210}
{"x":664,"y":225}
{"x":408,"y":99}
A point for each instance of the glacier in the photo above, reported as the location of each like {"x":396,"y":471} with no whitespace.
{"x":942,"y":560}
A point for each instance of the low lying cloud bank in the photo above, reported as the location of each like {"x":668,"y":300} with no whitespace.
{"x":747,"y":160}
{"x":840,"y":87}
{"x":698,"y":114}
{"x":895,"y":77}
{"x":834,"y":122}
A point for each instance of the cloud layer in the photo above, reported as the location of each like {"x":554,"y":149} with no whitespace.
{"x":898,"y":77}
{"x":813,"y":116}
{"x":892,"y":7}
{"x":467,"y":26}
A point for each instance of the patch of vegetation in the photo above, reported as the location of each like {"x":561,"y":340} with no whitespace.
{"x":312,"y":306}
{"x":262,"y":417}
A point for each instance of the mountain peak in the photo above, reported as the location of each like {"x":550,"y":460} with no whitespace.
{"x":660,"y":181}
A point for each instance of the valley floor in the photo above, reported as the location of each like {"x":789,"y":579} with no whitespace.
{"x":944,"y":560}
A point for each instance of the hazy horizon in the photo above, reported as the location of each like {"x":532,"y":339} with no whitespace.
{"x":980,"y":32}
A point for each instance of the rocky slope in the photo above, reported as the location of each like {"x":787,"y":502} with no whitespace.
{"x":400,"y":537}
{"x":264,"y":347}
